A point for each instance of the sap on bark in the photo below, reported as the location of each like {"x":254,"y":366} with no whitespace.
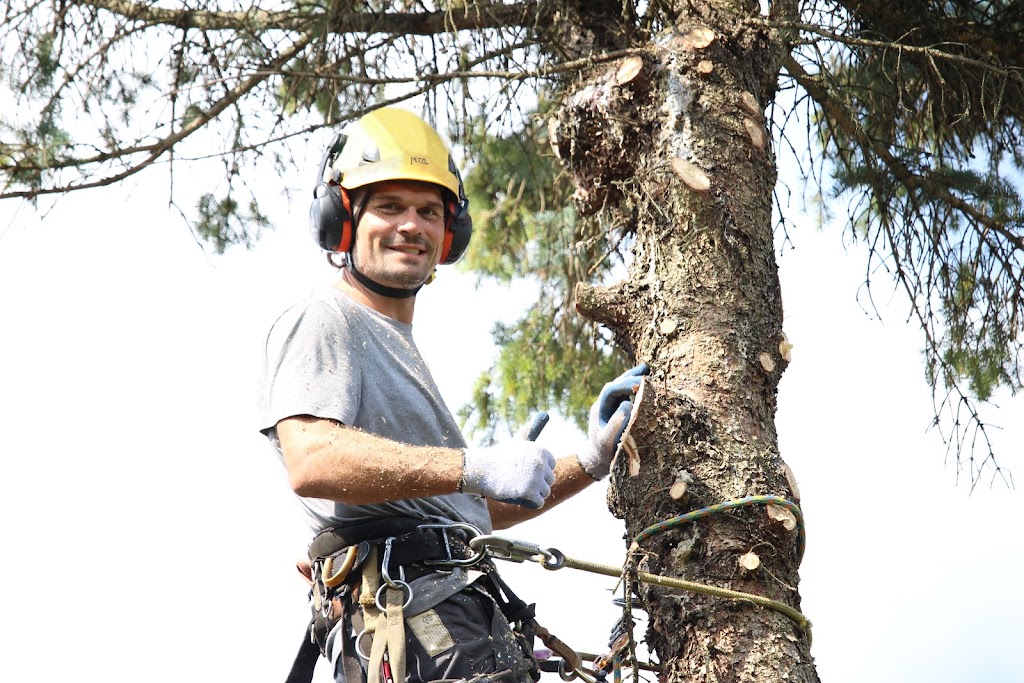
{"x":705,"y":67}
{"x":668,"y":326}
{"x":766,"y":362}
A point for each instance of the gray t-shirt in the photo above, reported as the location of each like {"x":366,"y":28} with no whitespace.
{"x":332,"y":357}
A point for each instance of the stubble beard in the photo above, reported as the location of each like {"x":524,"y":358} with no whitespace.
{"x":400,"y":278}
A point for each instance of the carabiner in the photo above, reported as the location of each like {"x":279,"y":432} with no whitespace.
{"x":334,"y":580}
{"x":511,"y":549}
{"x":384,"y":572}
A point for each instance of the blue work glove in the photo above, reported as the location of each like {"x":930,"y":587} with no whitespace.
{"x":608,"y":418}
{"x":516,"y":471}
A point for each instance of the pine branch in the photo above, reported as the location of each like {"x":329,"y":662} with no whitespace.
{"x":476,"y":16}
{"x":165,"y":144}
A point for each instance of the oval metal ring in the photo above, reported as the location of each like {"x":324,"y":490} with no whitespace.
{"x":398,"y":584}
{"x":553,"y":559}
{"x":359,"y":650}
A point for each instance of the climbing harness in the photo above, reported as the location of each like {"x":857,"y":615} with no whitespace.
{"x":375,"y":577}
{"x":391,"y":554}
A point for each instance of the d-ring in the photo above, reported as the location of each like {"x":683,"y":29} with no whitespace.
{"x":398,"y":584}
{"x":359,"y":650}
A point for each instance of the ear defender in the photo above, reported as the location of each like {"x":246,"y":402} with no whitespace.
{"x":330,"y":214}
{"x":458,"y":232}
{"x":459,"y":227}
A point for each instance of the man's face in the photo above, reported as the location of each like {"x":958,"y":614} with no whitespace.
{"x":400,"y":234}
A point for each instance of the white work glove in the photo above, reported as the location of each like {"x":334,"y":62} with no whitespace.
{"x":515,"y":471}
{"x":608,"y":418}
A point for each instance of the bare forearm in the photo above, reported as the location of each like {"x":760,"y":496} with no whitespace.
{"x":570,"y":479}
{"x":327,"y":460}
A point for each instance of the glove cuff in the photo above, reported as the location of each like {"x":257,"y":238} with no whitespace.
{"x":461,"y":488}
{"x":592,"y":463}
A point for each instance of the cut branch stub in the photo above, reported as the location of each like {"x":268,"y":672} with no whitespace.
{"x":783,"y":516}
{"x":691,"y":174}
{"x":785,"y":348}
{"x":750,"y":105}
{"x":696,"y":38}
{"x":756,"y":132}
{"x":791,"y":481}
{"x":629,"y":70}
{"x":678,"y":489}
{"x":605,"y":305}
{"x":750,"y":561}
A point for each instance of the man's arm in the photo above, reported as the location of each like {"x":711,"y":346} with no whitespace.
{"x":326,"y":459}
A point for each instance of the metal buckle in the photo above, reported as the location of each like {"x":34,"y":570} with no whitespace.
{"x":449,"y":560}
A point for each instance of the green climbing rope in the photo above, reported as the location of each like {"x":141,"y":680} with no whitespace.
{"x":670,"y":582}
{"x":731,"y":505}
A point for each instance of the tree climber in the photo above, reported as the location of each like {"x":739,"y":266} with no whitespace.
{"x":392,"y":491}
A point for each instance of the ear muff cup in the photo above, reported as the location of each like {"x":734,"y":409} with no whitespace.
{"x":330,"y":218}
{"x":456,"y":237}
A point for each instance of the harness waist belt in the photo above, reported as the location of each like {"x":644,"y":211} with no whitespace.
{"x":412,"y":541}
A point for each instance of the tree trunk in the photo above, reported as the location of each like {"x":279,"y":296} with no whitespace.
{"x":677,"y":146}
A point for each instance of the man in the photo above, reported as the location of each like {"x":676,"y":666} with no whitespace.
{"x":378,"y":462}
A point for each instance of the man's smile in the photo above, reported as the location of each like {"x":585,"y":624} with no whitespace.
{"x":407,"y":248}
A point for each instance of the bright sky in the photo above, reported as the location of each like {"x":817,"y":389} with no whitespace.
{"x":149,"y":534}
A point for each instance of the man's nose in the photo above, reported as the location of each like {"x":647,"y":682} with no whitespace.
{"x":411,"y":221}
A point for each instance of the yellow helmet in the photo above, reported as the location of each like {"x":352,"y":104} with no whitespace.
{"x":386,"y":144}
{"x":394,"y":144}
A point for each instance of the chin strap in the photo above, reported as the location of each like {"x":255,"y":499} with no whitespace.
{"x":376,"y":287}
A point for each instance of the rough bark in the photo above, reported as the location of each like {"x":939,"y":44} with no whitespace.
{"x":679,"y":150}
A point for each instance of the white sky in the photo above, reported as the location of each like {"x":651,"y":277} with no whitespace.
{"x":148,"y":533}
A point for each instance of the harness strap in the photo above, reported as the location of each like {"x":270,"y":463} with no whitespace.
{"x":414,"y":541}
{"x":389,"y":641}
{"x":305,"y":660}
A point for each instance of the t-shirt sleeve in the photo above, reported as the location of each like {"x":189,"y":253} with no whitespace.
{"x":310,"y":369}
